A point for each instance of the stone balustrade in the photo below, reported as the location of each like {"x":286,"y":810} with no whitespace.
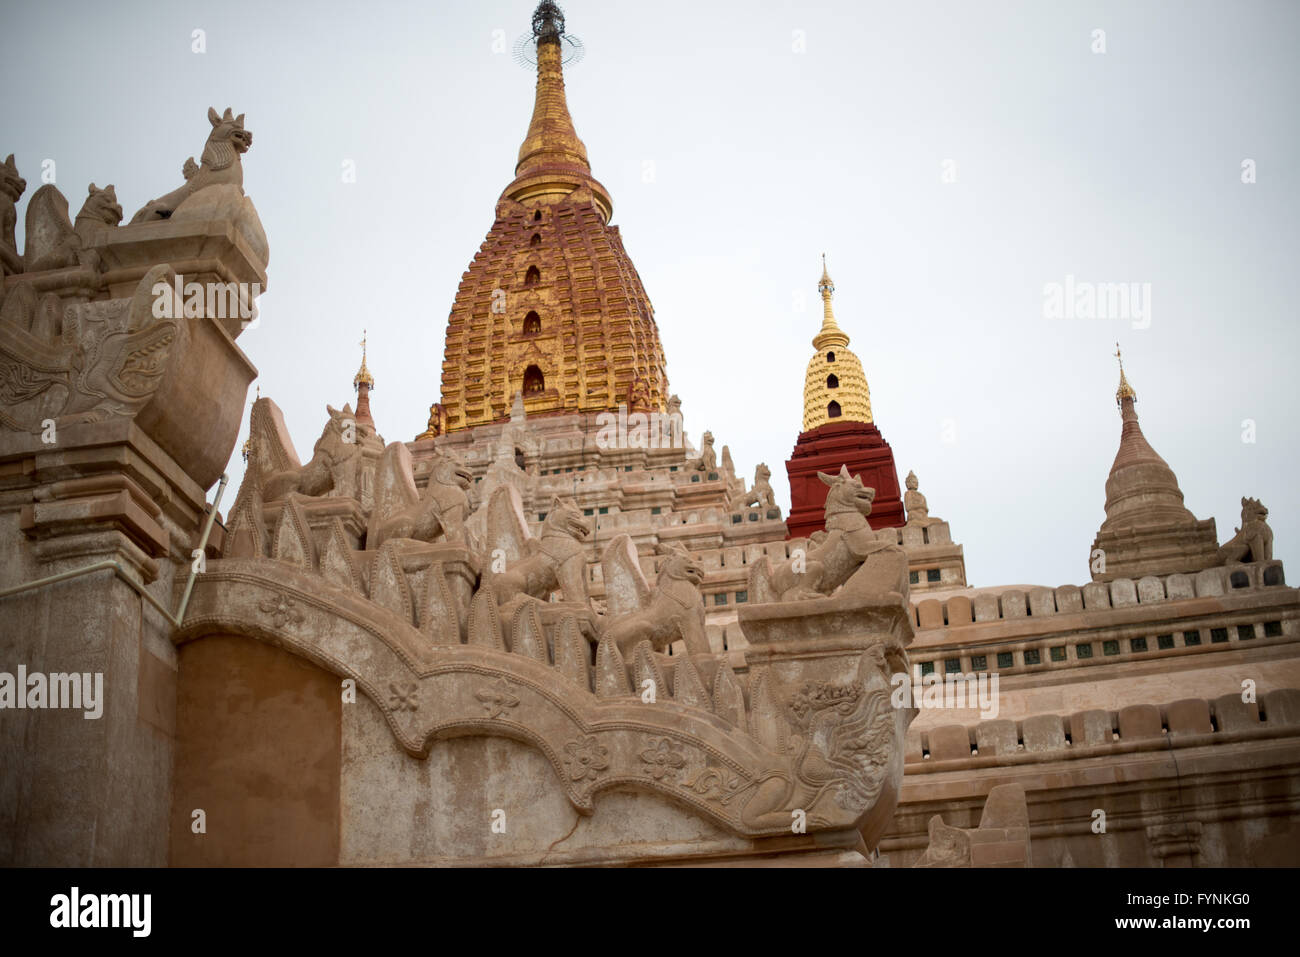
{"x":1017,"y":603}
{"x":1082,"y":734}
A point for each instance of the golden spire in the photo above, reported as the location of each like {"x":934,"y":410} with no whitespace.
{"x":1125,"y":391}
{"x":835,"y":387}
{"x":363,"y":376}
{"x":247,"y":448}
{"x":552,"y":159}
{"x":363,"y":383}
{"x":830,"y":333}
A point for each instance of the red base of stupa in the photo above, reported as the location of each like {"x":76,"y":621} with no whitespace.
{"x":826,"y":448}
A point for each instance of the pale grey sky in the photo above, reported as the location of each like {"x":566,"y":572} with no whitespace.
{"x":740,"y":140}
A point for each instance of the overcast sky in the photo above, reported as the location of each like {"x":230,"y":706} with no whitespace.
{"x":740,"y":140}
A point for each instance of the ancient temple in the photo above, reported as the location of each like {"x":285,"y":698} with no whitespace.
{"x":1147,"y":527}
{"x":558,"y":627}
{"x":551,"y":306}
{"x":838,"y":430}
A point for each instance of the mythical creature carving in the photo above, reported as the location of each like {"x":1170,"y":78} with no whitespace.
{"x":760,"y":495}
{"x":847,"y":555}
{"x":708,"y":460}
{"x":84,"y":362}
{"x":515,"y":563}
{"x":12,"y":187}
{"x":437,"y":514}
{"x":335,"y":466}
{"x":841,"y":738}
{"x":1253,"y":541}
{"x":53,"y":242}
{"x":220,"y":165}
{"x":672,"y":611}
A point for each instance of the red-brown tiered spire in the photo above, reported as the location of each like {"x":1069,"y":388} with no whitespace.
{"x":363,"y":382}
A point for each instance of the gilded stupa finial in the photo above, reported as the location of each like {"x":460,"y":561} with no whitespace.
{"x":825,"y":285}
{"x":830,"y":334}
{"x":246,"y":449}
{"x":363,"y":374}
{"x":1125,"y":391}
{"x":552,"y":159}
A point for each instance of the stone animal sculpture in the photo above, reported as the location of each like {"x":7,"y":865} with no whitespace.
{"x":12,"y":187}
{"x":708,"y":460}
{"x":848,"y":554}
{"x":760,"y":495}
{"x":220,"y":164}
{"x":672,"y":611}
{"x":515,"y":563}
{"x":55,"y":243}
{"x":333,"y":467}
{"x":1253,"y":541}
{"x":436,"y":515}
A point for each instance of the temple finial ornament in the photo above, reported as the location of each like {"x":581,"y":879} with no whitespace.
{"x":548,"y":22}
{"x":363,"y":376}
{"x":1125,"y":391}
{"x":830,"y":334}
{"x":363,"y":382}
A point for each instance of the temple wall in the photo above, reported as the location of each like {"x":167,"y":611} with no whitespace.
{"x":1230,"y":805}
{"x":78,"y":791}
{"x":396,"y":809}
{"x":259,"y":752}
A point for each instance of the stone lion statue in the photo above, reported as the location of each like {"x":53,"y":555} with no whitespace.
{"x":220,"y":165}
{"x":515,"y":563}
{"x":761,"y":495}
{"x":671,"y":611}
{"x":55,"y":243}
{"x":708,"y":460}
{"x":333,"y":469}
{"x":12,"y":186}
{"x":436,"y":515}
{"x":1253,"y":541}
{"x":847,"y":556}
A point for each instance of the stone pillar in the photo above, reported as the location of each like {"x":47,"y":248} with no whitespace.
{"x":122,"y":420}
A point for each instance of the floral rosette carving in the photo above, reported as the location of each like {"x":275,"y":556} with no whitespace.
{"x":585,"y":758}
